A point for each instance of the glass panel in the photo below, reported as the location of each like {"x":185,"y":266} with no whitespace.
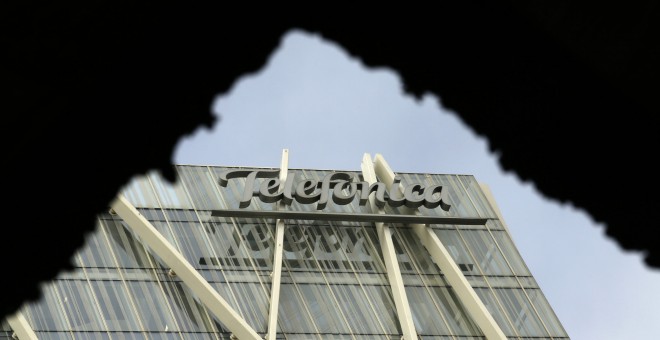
{"x":140,"y":193}
{"x":488,"y":299}
{"x":456,"y":248}
{"x":245,"y":247}
{"x":485,"y":251}
{"x":245,"y":251}
{"x":169,"y":195}
{"x":297,"y":249}
{"x":115,"y":306}
{"x":323,"y":308}
{"x":404,"y":258}
{"x":226,"y":242}
{"x":546,"y":313}
{"x":503,"y":282}
{"x":413,"y":256}
{"x":80,"y":306}
{"x":381,"y":298}
{"x":46,"y":314}
{"x":95,"y":253}
{"x":252,"y":304}
{"x":164,"y":229}
{"x":455,"y":314}
{"x":349,"y":263}
{"x":339,"y":249}
{"x":357,"y":309}
{"x":190,"y":315}
{"x":181,"y":215}
{"x":358,"y":249}
{"x":510,"y":252}
{"x":477,"y":281}
{"x":108,"y":274}
{"x":130,"y":253}
{"x":371,"y":238}
{"x":520,"y":312}
{"x":153,"y":306}
{"x":528,"y":282}
{"x":477,"y":195}
{"x":426,"y":300}
{"x":201,"y":187}
{"x":426,"y":315}
{"x":292,"y":314}
{"x":192,"y":240}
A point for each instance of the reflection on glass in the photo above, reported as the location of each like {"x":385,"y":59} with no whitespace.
{"x":485,"y":252}
{"x":79,"y":305}
{"x":520,"y":312}
{"x":293,"y":315}
{"x":47,"y":314}
{"x":488,"y":299}
{"x":334,"y":281}
{"x":115,"y":306}
{"x":545,"y":312}
{"x":152,"y":306}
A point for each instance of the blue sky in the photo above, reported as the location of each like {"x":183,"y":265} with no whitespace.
{"x":328,"y":110}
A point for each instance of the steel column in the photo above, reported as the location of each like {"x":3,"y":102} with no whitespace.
{"x":391,"y":262}
{"x":277,"y":258}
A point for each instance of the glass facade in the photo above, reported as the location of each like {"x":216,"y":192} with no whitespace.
{"x":334,"y":282}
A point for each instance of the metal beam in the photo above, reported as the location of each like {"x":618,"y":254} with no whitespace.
{"x":452,"y":272}
{"x":350,"y":217}
{"x":21,"y":327}
{"x":200,"y":287}
{"x":277,"y":258}
{"x":391,"y":262}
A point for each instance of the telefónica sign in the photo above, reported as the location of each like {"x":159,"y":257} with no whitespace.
{"x":341,"y":187}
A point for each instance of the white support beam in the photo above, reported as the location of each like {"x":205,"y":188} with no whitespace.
{"x":462,"y":288}
{"x":442,"y":258}
{"x":149,"y":235}
{"x":277,"y":258}
{"x":21,"y":327}
{"x":391,"y":262}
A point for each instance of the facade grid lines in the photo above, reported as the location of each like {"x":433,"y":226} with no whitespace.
{"x":333,"y":282}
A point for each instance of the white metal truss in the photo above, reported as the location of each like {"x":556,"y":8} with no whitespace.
{"x":277,"y":258}
{"x":450,"y":269}
{"x":391,"y":262}
{"x":150,"y":236}
{"x":21,"y":327}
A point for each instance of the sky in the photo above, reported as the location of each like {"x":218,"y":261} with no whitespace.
{"x":328,"y":110}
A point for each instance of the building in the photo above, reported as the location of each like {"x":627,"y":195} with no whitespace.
{"x":279,"y":253}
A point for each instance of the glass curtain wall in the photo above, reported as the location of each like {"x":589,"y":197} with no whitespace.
{"x":334,"y":284}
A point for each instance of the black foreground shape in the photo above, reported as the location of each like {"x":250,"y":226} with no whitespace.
{"x":97,"y":92}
